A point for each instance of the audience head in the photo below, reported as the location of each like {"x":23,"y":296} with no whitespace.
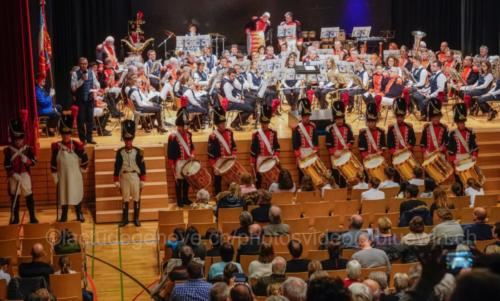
{"x":411,"y":191}
{"x":444,"y":214}
{"x":275,"y":215}
{"x":214,"y":236}
{"x":333,"y":248}
{"x":390,"y":172}
{"x":384,"y":225}
{"x":226,"y":252}
{"x":418,"y":172}
{"x":360,"y":292}
{"x":379,"y":277}
{"x":241,"y":292}
{"x":355,"y":222}
{"x":64,"y":264}
{"x":496,"y":231}
{"x":234,"y":189}
{"x":479,"y":214}
{"x":245,"y":219}
{"x":440,"y":198}
{"x":417,"y":225}
{"x":186,"y":254}
{"x":306,"y":184}
{"x":266,"y":253}
{"x":457,"y":189}
{"x":265,"y":197}
{"x":192,"y":237}
{"x":429,"y":185}
{"x":364,"y":241}
{"x":195,"y":270}
{"x":278,"y":265}
{"x":246,"y":179}
{"x":41,"y":294}
{"x":255,"y":230}
{"x":295,"y":248}
{"x":294,"y":289}
{"x":478,"y":282}
{"x":414,"y":275}
{"x":37,"y":252}
{"x":219,"y":292}
{"x":202,"y":196}
{"x":4,"y":264}
{"x":374,"y":182}
{"x":179,"y":234}
{"x":353,"y":270}
{"x":401,"y":281}
{"x":327,"y":289}
{"x":230,"y":270}
{"x":473,"y":183}
{"x":314,"y":266}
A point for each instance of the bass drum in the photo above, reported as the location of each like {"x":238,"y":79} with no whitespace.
{"x":375,"y":167}
{"x":269,"y":170}
{"x":437,"y":167}
{"x":197,"y":176}
{"x":229,"y":169}
{"x":348,"y":165}
{"x":404,"y":162}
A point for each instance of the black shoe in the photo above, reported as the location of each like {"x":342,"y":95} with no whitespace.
{"x":79,"y":214}
{"x":162,"y":130}
{"x":137,"y":208}
{"x":492,"y":115}
{"x":64,"y":214}
{"x":124,"y":215}
{"x":180,"y":204}
{"x":14,"y":219}
{"x":187,"y":202}
{"x":30,"y":203}
{"x":91,"y":142}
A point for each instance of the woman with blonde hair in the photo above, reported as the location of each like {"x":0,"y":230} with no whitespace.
{"x":385,"y":236}
{"x":440,"y":200}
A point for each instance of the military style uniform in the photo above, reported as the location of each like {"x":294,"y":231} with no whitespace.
{"x":434,"y":136}
{"x":304,"y":135}
{"x":400,"y":135}
{"x":371,"y":141}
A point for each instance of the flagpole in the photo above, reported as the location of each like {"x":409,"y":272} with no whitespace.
{"x":51,"y":72}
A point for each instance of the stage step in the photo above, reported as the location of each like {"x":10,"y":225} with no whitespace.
{"x":115,"y":216}
{"x":488,"y":159}
{"x":147,"y":201}
{"x":109,"y":164}
{"x":153,"y":150}
{"x":152,"y":175}
{"x":109,"y":190}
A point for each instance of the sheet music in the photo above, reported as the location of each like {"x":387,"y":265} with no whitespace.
{"x":361,"y":31}
{"x":329,"y":32}
{"x":287,"y":31}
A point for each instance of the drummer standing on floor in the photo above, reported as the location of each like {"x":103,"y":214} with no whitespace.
{"x":220,"y":145}
{"x":400,"y":135}
{"x":339,"y":138}
{"x":371,"y":139}
{"x":130,"y":173}
{"x":264,"y":143}
{"x":304,"y":135}
{"x":180,"y":149}
{"x":68,"y":161}
{"x":435,"y":133}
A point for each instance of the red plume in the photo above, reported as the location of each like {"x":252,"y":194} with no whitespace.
{"x":441,"y":97}
{"x":467,"y":101}
{"x":378,"y":101}
{"x":345,"y":98}
{"x":406,"y":96}
{"x":140,"y":15}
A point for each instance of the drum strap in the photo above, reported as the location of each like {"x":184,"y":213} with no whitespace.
{"x":223,"y":141}
{"x":305,"y":134}
{"x":266,"y":141}
{"x":371,"y":140}
{"x":462,"y":140}
{"x":17,"y":152}
{"x":182,"y":142}
{"x":433,"y":136}
{"x":398,"y":134}
{"x":339,"y":135}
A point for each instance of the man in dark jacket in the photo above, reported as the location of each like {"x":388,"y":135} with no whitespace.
{"x":277,"y":277}
{"x":413,"y":207}
{"x":252,"y":246}
{"x":479,"y":230}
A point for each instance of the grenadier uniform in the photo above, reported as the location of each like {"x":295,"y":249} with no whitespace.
{"x":18,"y":160}
{"x":434,"y":136}
{"x":461,"y":143}
{"x":68,"y":161}
{"x":371,"y":141}
{"x":129,"y":173}
{"x":400,"y":135}
{"x":304,"y":135}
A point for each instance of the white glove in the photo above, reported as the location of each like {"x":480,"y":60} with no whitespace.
{"x":141,"y":184}
{"x":52,"y":92}
{"x":24,"y":159}
{"x":16,"y":176}
{"x":117,"y":184}
{"x":55,"y":177}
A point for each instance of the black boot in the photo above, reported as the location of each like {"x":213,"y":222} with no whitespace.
{"x":124,"y":215}
{"x":137,"y":208}
{"x":492,"y":115}
{"x":79,"y":214}
{"x":64,"y":214}
{"x":185,"y":193}
{"x":30,"y":203}
{"x":14,"y":219}
{"x":178,"y":193}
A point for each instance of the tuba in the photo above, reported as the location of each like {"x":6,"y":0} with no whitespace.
{"x":417,"y":37}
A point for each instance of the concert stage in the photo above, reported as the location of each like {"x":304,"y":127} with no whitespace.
{"x":103,"y":200}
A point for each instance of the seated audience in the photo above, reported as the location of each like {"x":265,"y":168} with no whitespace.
{"x":294,"y":289}
{"x":4,"y":270}
{"x":247,"y":185}
{"x":180,"y":272}
{"x":361,"y":185}
{"x":440,"y":200}
{"x":37,"y":267}
{"x":230,"y":199}
{"x":46,"y":106}
{"x":334,"y":262}
{"x":413,"y":207}
{"x":241,"y":292}
{"x":401,"y":284}
{"x":245,"y":221}
{"x":382,"y":282}
{"x":402,"y":190}
{"x":390,"y":172}
{"x":479,"y":230}
{"x":175,"y":240}
{"x":457,"y":189}
{"x":215,"y":238}
{"x":252,"y":246}
{"x":417,"y":236}
{"x":418,"y":180}
{"x":494,"y":248}
{"x":261,"y":213}
{"x":262,"y":265}
{"x":327,"y":289}
{"x":229,"y":275}
{"x":373,"y":287}
{"x":313,"y":267}
{"x":473,"y":189}
{"x":275,"y":227}
{"x":202,"y":199}
{"x":195,"y":288}
{"x":306,"y":184}
{"x":227,"y":254}
{"x":193,"y":239}
{"x":373,"y":193}
{"x":360,"y":292}
{"x":219,"y":292}
{"x":429,"y":186}
{"x":41,"y":294}
{"x":368,"y":256}
{"x":296,"y":264}
{"x":349,"y":239}
{"x":277,"y":277}
{"x":385,"y":238}
{"x":353,"y":269}
{"x":448,"y":231}
{"x":284,"y":184}
{"x":64,"y":266}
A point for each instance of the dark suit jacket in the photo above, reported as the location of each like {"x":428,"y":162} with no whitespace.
{"x":251,"y":247}
{"x":35,"y":269}
{"x":297,"y":265}
{"x":335,"y":264}
{"x":261,"y":214}
{"x":260,"y":288}
{"x":478,"y":231}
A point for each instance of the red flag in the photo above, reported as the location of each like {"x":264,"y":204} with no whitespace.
{"x":44,"y":44}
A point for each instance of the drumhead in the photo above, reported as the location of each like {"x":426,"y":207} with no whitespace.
{"x":343,"y":159}
{"x":191,"y":168}
{"x":402,"y":157}
{"x":226,"y":164}
{"x":308,"y":162}
{"x":374,"y":162}
{"x":465,"y":166}
{"x":267,"y":165}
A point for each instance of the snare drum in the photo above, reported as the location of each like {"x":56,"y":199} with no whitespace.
{"x":467,"y":169}
{"x":437,"y":167}
{"x":197,"y":176}
{"x":229,"y":169}
{"x":375,"y":167}
{"x":404,"y":162}
{"x":269,"y":170}
{"x":348,"y":165}
{"x":314,"y":167}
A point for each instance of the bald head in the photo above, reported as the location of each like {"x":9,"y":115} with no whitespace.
{"x":37,"y":251}
{"x":278,"y":265}
{"x":240,"y":292}
{"x":356,"y":221}
{"x":479,"y":214}
{"x":255,"y":230}
{"x":275,"y":215}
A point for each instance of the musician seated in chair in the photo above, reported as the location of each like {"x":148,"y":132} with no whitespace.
{"x":153,"y":69}
{"x":437,"y":85}
{"x":197,"y":103}
{"x":480,"y":87}
{"x":329,"y":85}
{"x":400,"y":136}
{"x":356,"y":89}
{"x":46,"y":106}
{"x":371,"y":139}
{"x":291,"y":87}
{"x":392,"y":87}
{"x":101,"y":112}
{"x":492,"y":94}
{"x":236,"y":100}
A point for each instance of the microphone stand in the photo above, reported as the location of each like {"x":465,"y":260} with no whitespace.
{"x":164,"y":43}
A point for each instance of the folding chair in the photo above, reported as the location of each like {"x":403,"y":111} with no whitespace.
{"x":317,"y":255}
{"x":375,"y":206}
{"x":390,"y":192}
{"x":291,"y":211}
{"x":66,"y":286}
{"x":465,"y":215}
{"x":298,"y":225}
{"x":393,"y":216}
{"x":245,"y":261}
{"x":346,"y":207}
{"x":327,"y":223}
{"x":228,"y":227}
{"x":8,"y":249}
{"x":9,"y":232}
{"x":169,"y":217}
{"x":318,"y":209}
{"x":203,"y":227}
{"x":488,"y":200}
{"x":342,"y":274}
{"x":200,"y":216}
{"x":308,"y":197}
{"x":229,"y":215}
{"x":365,"y":272}
{"x":339,"y":194}
{"x":494,"y":214}
{"x":393,"y":205}
{"x":282,"y":198}
{"x":461,"y":201}
{"x":481,"y":244}
{"x":36,"y":230}
{"x":347,"y":253}
{"x":309,"y":240}
{"x":356,"y":193}
{"x":302,"y":275}
{"x":400,"y":231}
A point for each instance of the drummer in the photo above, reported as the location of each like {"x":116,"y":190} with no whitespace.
{"x":304,"y":135}
{"x":264,"y":143}
{"x":435,"y":133}
{"x":339,"y":137}
{"x":400,"y":135}
{"x":371,"y":139}
{"x":462,"y":140}
{"x":180,"y":149}
{"x":220,"y":145}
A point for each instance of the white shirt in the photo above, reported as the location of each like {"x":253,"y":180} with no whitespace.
{"x":422,"y":79}
{"x":5,"y":276}
{"x":361,"y":185}
{"x":192,"y":98}
{"x":138,"y":97}
{"x":472,"y":193}
{"x":372,"y":194}
{"x":388,"y":184}
{"x":274,"y":187}
{"x":441,"y":82}
{"x":415,"y":181}
{"x":228,"y":91}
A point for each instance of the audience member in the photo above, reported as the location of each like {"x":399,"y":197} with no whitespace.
{"x":327,"y":289}
{"x":429,"y":186}
{"x":4,"y":270}
{"x":374,"y":287}
{"x":202,"y":199}
{"x":477,"y":284}
{"x":175,"y":240}
{"x":241,"y":292}
{"x":37,"y":267}
{"x":284,"y":184}
{"x":247,"y":185}
{"x":262,"y":266}
{"x":219,"y":292}
{"x":275,"y":227}
{"x":41,"y":294}
{"x":252,"y":246}
{"x":440,"y":200}
{"x":195,"y":288}
{"x":401,"y":284}
{"x":390,"y":173}
{"x":313,"y":266}
{"x":385,"y":238}
{"x":180,"y":271}
{"x":261,"y":213}
{"x":360,"y":292}
{"x":245,"y":221}
{"x":413,"y":207}
{"x":494,"y":248}
{"x":479,"y":229}
{"x":64,"y":266}
{"x":457,"y":189}
{"x":296,"y":264}
{"x":361,"y":185}
{"x":402,"y":190}
{"x":349,"y":239}
{"x":306,"y":184}
{"x":418,"y":180}
{"x":227,"y":255}
{"x":229,"y":274}
{"x":370,"y":257}
{"x":473,"y":189}
{"x":294,"y":289}
{"x":277,"y":277}
{"x":230,"y":199}
{"x":215,"y":237}
{"x":353,"y":269}
{"x":417,"y":236}
{"x":383,"y":283}
{"x":373,"y":193}
{"x":193,"y":239}
{"x":448,"y":231}
{"x":334,"y":262}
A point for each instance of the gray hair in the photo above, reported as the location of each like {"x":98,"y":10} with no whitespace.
{"x":278,"y":265}
{"x":360,"y":292}
{"x":380,"y":277}
{"x":275,"y":215}
{"x":295,"y":289}
{"x":202,"y":196}
{"x":219,"y":292}
{"x":353,"y":269}
{"x":246,"y":219}
{"x":401,"y":281}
